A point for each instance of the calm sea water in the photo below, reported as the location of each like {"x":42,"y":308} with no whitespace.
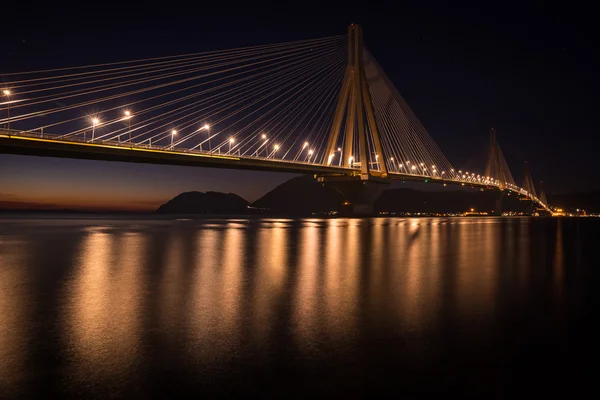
{"x":117,"y":308}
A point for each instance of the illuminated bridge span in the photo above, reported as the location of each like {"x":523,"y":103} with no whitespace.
{"x":321,"y":106}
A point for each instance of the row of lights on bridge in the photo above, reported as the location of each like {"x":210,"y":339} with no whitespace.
{"x":127,"y":116}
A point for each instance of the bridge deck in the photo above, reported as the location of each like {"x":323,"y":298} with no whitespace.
{"x":112,"y":151}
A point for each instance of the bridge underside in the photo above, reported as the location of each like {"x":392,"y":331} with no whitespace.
{"x":87,"y":151}
{"x":22,"y":145}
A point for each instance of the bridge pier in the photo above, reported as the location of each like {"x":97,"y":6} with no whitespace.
{"x":498,"y":208}
{"x":359,"y":194}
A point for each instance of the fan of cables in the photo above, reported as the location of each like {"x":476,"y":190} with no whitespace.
{"x":273,"y":100}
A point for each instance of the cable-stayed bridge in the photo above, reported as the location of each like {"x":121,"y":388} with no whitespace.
{"x":322,"y":106}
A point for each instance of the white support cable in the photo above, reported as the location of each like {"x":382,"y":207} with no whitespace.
{"x":302,"y":113}
{"x":297,"y":99}
{"x":147,"y":69}
{"x":337,"y":37}
{"x":269,"y":77}
{"x":276,"y":98}
{"x":83,"y":92}
{"x":307,"y":97}
{"x":135,"y":91}
{"x":436,"y":157}
{"x":258,"y":100}
{"x":322,"y":110}
{"x":180,"y":99}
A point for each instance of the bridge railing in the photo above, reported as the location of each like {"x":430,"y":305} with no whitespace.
{"x":141,"y":145}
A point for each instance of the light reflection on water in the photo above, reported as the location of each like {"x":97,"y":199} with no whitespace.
{"x":118,"y":308}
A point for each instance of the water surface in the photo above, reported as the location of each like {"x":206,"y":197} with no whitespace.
{"x":114,"y":308}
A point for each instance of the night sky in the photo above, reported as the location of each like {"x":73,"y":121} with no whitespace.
{"x":529,"y":71}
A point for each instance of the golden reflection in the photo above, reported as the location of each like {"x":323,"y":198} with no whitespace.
{"x":478,"y":260}
{"x":269,"y":278}
{"x":232,"y":277}
{"x":332,"y":270}
{"x":204,"y":315}
{"x":375,"y":260}
{"x":308,"y":294}
{"x":412,"y":306}
{"x":104,"y":306}
{"x":14,"y":303}
{"x":172,"y":286}
{"x":215,"y":313}
{"x":340,"y":274}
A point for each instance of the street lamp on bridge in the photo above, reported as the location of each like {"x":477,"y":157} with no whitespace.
{"x":173,"y":133}
{"x":95,"y":121}
{"x":264,"y":144}
{"x":275,"y":148}
{"x":231,"y":141}
{"x":206,"y":128}
{"x":128,"y":118}
{"x":6,"y":93}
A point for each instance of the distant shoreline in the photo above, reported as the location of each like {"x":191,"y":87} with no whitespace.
{"x":81,"y":215}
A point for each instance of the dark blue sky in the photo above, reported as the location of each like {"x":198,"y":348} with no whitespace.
{"x":528,"y":70}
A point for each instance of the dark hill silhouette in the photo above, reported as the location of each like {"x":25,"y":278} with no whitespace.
{"x":205,"y":203}
{"x":301,"y":195}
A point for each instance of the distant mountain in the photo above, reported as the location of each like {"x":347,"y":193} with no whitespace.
{"x":205,"y":203}
{"x":301,"y":195}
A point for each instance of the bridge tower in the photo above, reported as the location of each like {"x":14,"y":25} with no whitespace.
{"x":353,"y":122}
{"x":528,"y":182}
{"x":355,"y":113}
{"x":497,"y":169}
{"x":542,"y":195}
{"x":496,"y":166}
